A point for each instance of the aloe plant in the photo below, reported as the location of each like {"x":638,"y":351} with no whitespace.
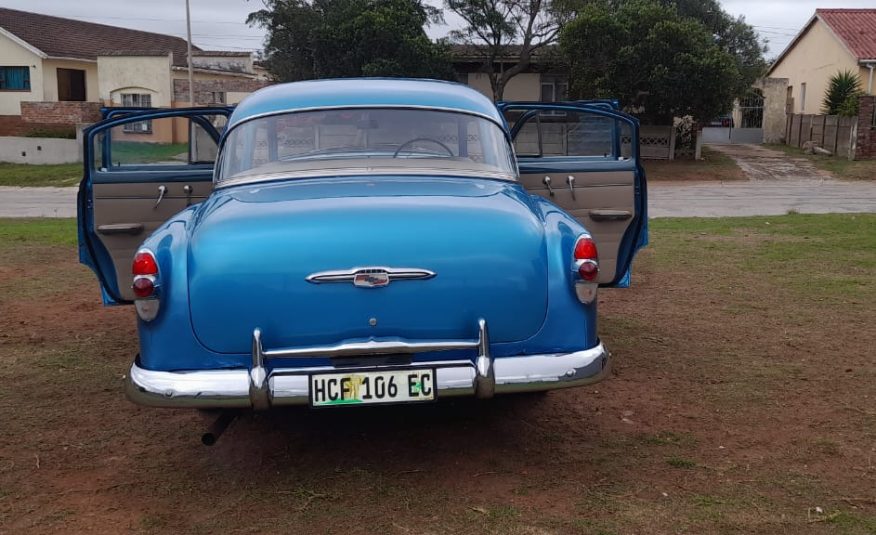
{"x":841,"y":97}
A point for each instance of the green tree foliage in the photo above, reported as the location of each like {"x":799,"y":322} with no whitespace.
{"x":507,"y":28}
{"x":841,"y":96}
{"x":659,"y":63}
{"x":310,"y":39}
{"x":732,"y":34}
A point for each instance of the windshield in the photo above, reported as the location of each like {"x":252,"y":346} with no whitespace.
{"x":373,"y":141}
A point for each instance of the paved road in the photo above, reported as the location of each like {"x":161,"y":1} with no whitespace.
{"x":37,"y":202}
{"x":778,"y":184}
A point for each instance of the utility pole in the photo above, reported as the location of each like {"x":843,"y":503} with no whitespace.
{"x":189,"y":45}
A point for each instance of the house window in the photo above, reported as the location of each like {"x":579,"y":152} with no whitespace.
{"x":803,"y":96}
{"x":554,"y":88}
{"x":14,"y":79}
{"x":137,"y":100}
{"x":217,"y":97}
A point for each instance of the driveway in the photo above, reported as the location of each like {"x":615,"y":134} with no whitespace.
{"x":777,"y":184}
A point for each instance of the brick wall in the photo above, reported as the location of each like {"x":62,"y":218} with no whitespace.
{"x":60,"y":113}
{"x":205,"y":88}
{"x":865,"y":148}
{"x":14,"y":125}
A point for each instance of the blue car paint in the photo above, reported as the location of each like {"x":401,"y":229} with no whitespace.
{"x":368,"y":92}
{"x":168,"y":342}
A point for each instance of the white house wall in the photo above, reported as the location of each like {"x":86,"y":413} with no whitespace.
{"x":50,"y":78}
{"x":14,"y":55}
{"x":525,"y":86}
{"x":134,"y":74}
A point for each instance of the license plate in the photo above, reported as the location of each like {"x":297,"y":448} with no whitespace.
{"x":367,"y":388}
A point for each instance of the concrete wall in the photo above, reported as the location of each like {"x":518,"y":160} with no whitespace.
{"x":525,"y":86}
{"x":817,"y":56}
{"x":39,"y":151}
{"x":50,"y":78}
{"x":14,"y":55}
{"x":775,"y":101}
{"x":134,"y":74}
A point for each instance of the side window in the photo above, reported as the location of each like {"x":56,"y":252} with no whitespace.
{"x":166,"y":143}
{"x":15,"y":78}
{"x":551,"y":133}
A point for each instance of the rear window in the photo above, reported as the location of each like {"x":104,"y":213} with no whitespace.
{"x":379,"y":141}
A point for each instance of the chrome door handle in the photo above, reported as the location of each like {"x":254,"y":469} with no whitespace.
{"x":188,"y":191}
{"x":162,"y":189}
{"x":571,"y":181}
{"x":547,"y":182}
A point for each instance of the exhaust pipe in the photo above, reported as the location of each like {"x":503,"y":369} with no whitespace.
{"x":218,"y":427}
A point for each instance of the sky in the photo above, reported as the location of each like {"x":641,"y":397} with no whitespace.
{"x":220,"y":24}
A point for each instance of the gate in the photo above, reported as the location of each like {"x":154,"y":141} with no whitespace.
{"x":750,"y":127}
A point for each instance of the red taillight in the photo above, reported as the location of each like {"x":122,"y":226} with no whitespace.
{"x":587,"y":259}
{"x":145,"y":271}
{"x":144,"y":286}
{"x":144,"y":264}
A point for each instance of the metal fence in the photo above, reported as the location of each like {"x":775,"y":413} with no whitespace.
{"x":834,"y":133}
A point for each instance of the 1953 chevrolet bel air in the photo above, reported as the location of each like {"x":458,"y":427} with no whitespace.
{"x":366,"y":241}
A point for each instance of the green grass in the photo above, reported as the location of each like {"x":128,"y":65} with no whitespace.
{"x":16,"y":174}
{"x":838,"y":166}
{"x":14,"y":232}
{"x":132,"y":152}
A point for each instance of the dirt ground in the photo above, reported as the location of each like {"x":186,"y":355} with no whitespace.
{"x":743,"y":401}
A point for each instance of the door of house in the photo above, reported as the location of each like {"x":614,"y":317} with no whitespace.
{"x":71,"y":85}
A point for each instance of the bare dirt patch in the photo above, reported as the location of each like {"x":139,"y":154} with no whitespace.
{"x":742,"y":400}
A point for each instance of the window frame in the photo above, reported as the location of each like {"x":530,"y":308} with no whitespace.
{"x":139,"y":127}
{"x":27,"y":80}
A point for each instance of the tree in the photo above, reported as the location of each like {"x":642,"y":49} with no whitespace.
{"x":659,"y":63}
{"x":841,"y":96}
{"x":499,"y":29}
{"x":310,"y":39}
{"x":732,"y":34}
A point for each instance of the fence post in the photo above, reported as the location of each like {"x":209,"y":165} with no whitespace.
{"x":672,"y":142}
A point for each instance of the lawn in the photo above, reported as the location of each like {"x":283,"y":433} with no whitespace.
{"x":124,"y":152}
{"x":713,"y":167}
{"x":16,"y":174}
{"x":839,"y":167}
{"x":742,"y":401}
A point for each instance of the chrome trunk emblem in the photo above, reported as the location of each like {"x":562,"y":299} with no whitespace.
{"x":370,"y":277}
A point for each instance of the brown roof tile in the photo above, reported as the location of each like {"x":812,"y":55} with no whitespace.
{"x":68,"y":38}
{"x":856,"y":27}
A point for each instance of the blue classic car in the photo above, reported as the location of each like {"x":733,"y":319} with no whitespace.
{"x":362,"y":241}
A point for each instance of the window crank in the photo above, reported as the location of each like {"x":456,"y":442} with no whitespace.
{"x":162,"y":189}
{"x":571,"y":181}
{"x":547,"y":182}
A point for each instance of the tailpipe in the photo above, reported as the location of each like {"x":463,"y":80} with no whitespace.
{"x":219,"y":425}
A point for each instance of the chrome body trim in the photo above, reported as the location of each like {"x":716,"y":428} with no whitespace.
{"x":265,"y":178}
{"x":262,"y":387}
{"x":205,"y":389}
{"x":349,"y":275}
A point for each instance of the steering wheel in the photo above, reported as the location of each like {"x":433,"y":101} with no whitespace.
{"x":411,"y":141}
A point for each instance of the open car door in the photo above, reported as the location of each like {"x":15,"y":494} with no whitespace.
{"x":141,"y":168}
{"x":584,"y":157}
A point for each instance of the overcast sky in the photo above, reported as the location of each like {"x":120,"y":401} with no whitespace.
{"x":220,"y":24}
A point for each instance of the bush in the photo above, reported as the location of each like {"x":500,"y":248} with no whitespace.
{"x":61,"y":132}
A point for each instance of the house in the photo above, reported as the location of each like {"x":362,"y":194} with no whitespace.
{"x":543,"y":80}
{"x":59,"y":72}
{"x":833,"y":40}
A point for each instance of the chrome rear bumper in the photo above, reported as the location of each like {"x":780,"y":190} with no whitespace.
{"x":260,"y":387}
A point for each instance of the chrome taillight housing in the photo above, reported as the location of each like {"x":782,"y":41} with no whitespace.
{"x":585,"y":265}
{"x":146,"y":284}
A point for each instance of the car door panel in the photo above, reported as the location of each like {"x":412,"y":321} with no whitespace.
{"x":121,"y":204}
{"x":605,"y":192}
